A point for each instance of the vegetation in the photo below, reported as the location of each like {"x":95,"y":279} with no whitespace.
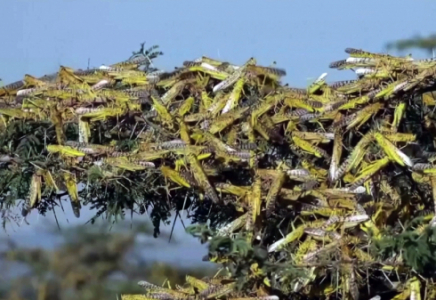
{"x":427,"y":44}
{"x":91,"y":263}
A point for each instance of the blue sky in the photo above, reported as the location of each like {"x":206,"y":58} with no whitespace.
{"x":301,"y":36}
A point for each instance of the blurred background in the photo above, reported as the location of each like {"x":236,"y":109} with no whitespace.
{"x":61,"y":257}
{"x":94,"y":261}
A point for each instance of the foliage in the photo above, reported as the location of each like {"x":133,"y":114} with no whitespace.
{"x":416,"y":247}
{"x":419,"y":42}
{"x":90,"y":263}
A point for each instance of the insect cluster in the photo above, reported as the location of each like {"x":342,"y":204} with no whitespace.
{"x":207,"y":288}
{"x":319,"y":186}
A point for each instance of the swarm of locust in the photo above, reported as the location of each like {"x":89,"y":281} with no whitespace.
{"x":314,"y":174}
{"x":207,"y":288}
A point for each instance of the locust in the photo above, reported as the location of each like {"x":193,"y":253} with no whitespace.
{"x":307,"y":180}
